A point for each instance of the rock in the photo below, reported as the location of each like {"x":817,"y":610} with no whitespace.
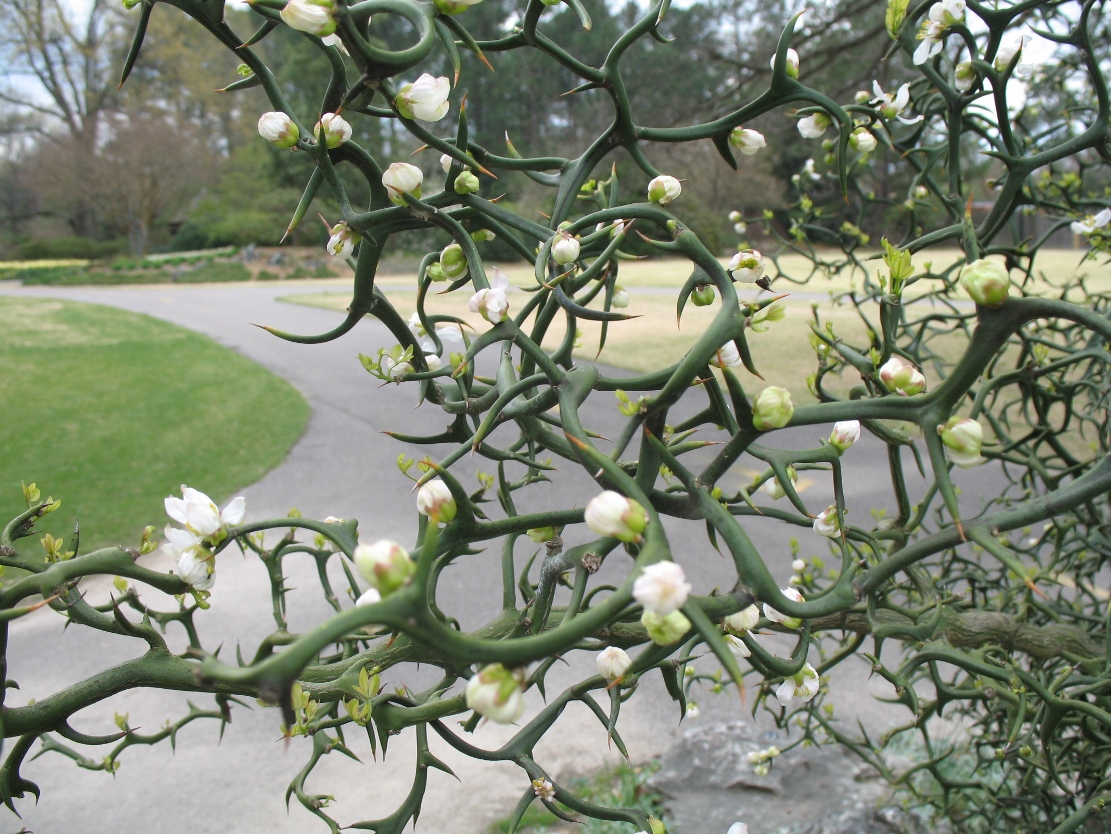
{"x":710,"y":784}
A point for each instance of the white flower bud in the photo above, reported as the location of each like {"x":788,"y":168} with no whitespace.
{"x":612,"y":514}
{"x":747,"y":140}
{"x":493,"y":303}
{"x":773,"y":409}
{"x":792,"y":63}
{"x":776,"y":617}
{"x":742,"y":621}
{"x":434,"y":499}
{"x":965,"y":76}
{"x":662,"y":588}
{"x":495,"y":693}
{"x":962,"y":438}
{"x":425,"y":99}
{"x":402,"y":178}
{"x":620,"y":298}
{"x":902,"y":379}
{"x":826,"y":523}
{"x":385,"y":565}
{"x":693,"y":712}
{"x":312,"y":16}
{"x":774,"y":488}
{"x":664,"y":189}
{"x":987,"y":281}
{"x":279,"y":129}
{"x":735,"y":216}
{"x":446,"y":162}
{"x":613,"y":663}
{"x":845,"y":433}
{"x":798,"y":566}
{"x":336,"y":129}
{"x":726,"y":356}
{"x":862,"y":140}
{"x":815,"y":125}
{"x":565,"y":249}
{"x":740,"y":228}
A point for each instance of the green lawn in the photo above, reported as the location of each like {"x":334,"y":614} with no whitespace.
{"x":112,"y":411}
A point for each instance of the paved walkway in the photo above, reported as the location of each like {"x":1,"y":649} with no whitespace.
{"x":344,"y":466}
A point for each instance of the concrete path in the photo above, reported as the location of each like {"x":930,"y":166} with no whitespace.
{"x":344,"y":466}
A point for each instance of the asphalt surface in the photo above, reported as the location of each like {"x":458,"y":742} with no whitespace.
{"x":344,"y":466}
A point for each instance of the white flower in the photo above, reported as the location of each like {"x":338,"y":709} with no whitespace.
{"x":664,"y":189}
{"x":737,"y":828}
{"x":747,"y":140}
{"x":773,"y":409}
{"x":200,"y":515}
{"x":612,"y":514}
{"x":278,"y":128}
{"x":1027,"y":63}
{"x":343,"y":240}
{"x":195,"y":568}
{"x":845,"y":433}
{"x":312,"y":16}
{"x":726,"y":356}
{"x":808,"y":169}
{"x":901,"y":378}
{"x":385,"y":565}
{"x":693,"y":712}
{"x":662,"y":588}
{"x":336,"y":129}
{"x":892,"y":105}
{"x":565,"y":249}
{"x":792,"y":63}
{"x":495,"y":693}
{"x":826,"y":524}
{"x":743,"y":621}
{"x":804,"y":685}
{"x":612,"y":663}
{"x":493,"y":302}
{"x":863,"y":140}
{"x":1092,"y":222}
{"x":942,"y":15}
{"x":333,"y":40}
{"x":746,"y":266}
{"x":783,"y":619}
{"x":962,"y":438}
{"x":737,"y":646}
{"x":774,"y":488}
{"x":369,"y":597}
{"x":815,"y":125}
{"x":425,"y":99}
{"x":402,"y":178}
{"x":434,"y":499}
{"x":543,"y":789}
{"x":393,"y":369}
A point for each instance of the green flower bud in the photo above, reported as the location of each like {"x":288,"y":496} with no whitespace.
{"x":703,"y":296}
{"x":466,"y":183}
{"x":773,"y":409}
{"x":666,"y":630}
{"x":986,"y":281}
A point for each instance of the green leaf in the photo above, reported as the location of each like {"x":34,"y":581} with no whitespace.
{"x":896,"y":14}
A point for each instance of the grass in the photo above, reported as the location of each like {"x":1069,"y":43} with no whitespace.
{"x":623,"y":786}
{"x":112,"y":411}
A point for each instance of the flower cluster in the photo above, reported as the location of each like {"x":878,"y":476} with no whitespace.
{"x":204,"y":527}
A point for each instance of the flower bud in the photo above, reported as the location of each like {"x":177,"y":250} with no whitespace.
{"x":921,"y":192}
{"x":453,"y":262}
{"x":746,"y":266}
{"x":747,"y":140}
{"x":612,"y":514}
{"x":862,"y":140}
{"x":962,"y":438}
{"x":815,"y":125}
{"x":826,"y":523}
{"x":542,"y":534}
{"x":343,"y":240}
{"x":434,"y":499}
{"x":369,"y":597}
{"x":783,"y":619}
{"x":495,"y":693}
{"x":743,"y":621}
{"x":726,"y":356}
{"x":279,"y":129}
{"x":664,"y":631}
{"x":737,"y":646}
{"x":735,"y":216}
{"x":902,"y":379}
{"x":565,"y":249}
{"x":197,"y":568}
{"x":312,"y":16}
{"x":740,"y":228}
{"x":774,"y":488}
{"x":336,"y":130}
{"x":425,"y":99}
{"x":965,"y":76}
{"x":792,"y":63}
{"x":613,"y":663}
{"x":620,"y":298}
{"x":482,"y":235}
{"x":385,"y":565}
{"x":987,"y":281}
{"x":402,"y":178}
{"x":773,"y":409}
{"x":446,"y":162}
{"x":798,"y":565}
{"x":664,"y":189}
{"x":662,"y":588}
{"x":435,"y":272}
{"x":454,"y":6}
{"x":862,"y":97}
{"x":466,"y":183}
{"x":703,"y":295}
{"x":845,"y":433}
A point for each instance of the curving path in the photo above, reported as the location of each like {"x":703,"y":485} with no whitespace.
{"x":344,"y":466}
